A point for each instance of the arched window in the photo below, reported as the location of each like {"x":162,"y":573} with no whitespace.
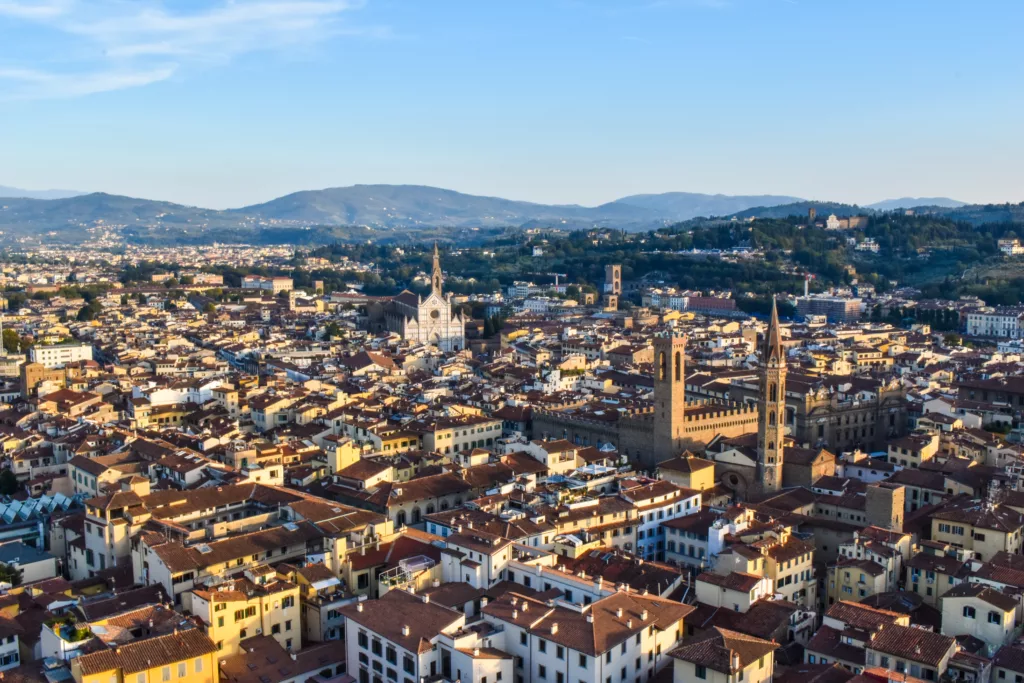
{"x":400,"y":518}
{"x":679,"y":366}
{"x":771,"y":418}
{"x":662,"y":370}
{"x":771,"y":445}
{"x":416,"y":515}
{"x":430,"y":509}
{"x":773,"y":392}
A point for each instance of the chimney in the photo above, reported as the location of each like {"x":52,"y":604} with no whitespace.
{"x":526,"y":606}
{"x":618,"y":612}
{"x":425,"y":598}
{"x":515,"y":614}
{"x":554,"y":628}
{"x":359,"y":607}
{"x":629,"y":623}
{"x":294,"y":656}
{"x":405,"y":630}
{"x":735,"y":662}
{"x":437,"y":583}
{"x":483,"y":602}
{"x":590,"y":617}
{"x":643,"y":616}
{"x":476,"y":652}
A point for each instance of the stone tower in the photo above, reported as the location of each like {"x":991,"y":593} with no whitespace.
{"x":435,"y":276}
{"x":771,"y":408}
{"x":669,"y":395}
{"x":613,"y":279}
{"x":885,"y":505}
{"x":612,"y":286}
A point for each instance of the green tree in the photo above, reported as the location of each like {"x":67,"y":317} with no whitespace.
{"x":332,"y":330}
{"x":11,"y":575}
{"x":12,"y":342}
{"x":8,"y":482}
{"x":488,"y":328}
{"x":209,"y":307}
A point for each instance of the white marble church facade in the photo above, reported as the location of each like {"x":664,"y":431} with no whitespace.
{"x":428,"y":320}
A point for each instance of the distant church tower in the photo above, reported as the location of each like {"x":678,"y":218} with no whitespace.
{"x":771,"y":408}
{"x":430,"y":320}
{"x":435,"y":276}
{"x":669,"y":395}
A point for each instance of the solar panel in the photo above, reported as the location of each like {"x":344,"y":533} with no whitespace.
{"x":27,"y":510}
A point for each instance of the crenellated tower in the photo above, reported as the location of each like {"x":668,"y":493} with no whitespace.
{"x":669,"y":395}
{"x":771,"y":408}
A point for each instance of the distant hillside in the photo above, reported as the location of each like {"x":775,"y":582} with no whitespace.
{"x":6,"y":191}
{"x":913,"y":202}
{"x":360,"y":207}
{"x":392,"y":213}
{"x":979,"y":214}
{"x":69,"y":217}
{"x":823,"y":209}
{"x":415,"y":205}
{"x":681,"y":206}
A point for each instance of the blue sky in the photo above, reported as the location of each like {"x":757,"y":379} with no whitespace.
{"x":578,"y":101}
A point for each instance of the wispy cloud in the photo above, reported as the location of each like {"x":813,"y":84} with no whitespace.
{"x":33,"y":84}
{"x":33,"y":10}
{"x":143,"y":41}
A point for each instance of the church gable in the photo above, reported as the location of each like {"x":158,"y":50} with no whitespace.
{"x":734,"y":456}
{"x":433,"y":301}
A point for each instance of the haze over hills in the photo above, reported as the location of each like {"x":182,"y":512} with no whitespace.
{"x":6,"y":191}
{"x":912,"y":202}
{"x":415,"y":205}
{"x":378,"y":207}
{"x":681,"y":206}
{"x":388,"y":211}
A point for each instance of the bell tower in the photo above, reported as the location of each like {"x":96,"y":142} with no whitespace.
{"x":771,"y":408}
{"x":669,"y":394}
{"x":435,"y":275}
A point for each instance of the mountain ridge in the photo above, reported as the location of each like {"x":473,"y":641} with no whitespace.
{"x":391,"y":211}
{"x":379,"y":207}
{"x":914,"y":202}
{"x":7,"y":192}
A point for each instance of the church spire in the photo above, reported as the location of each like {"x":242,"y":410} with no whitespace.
{"x":435,"y":277}
{"x":771,"y":408}
{"x":773,"y":340}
